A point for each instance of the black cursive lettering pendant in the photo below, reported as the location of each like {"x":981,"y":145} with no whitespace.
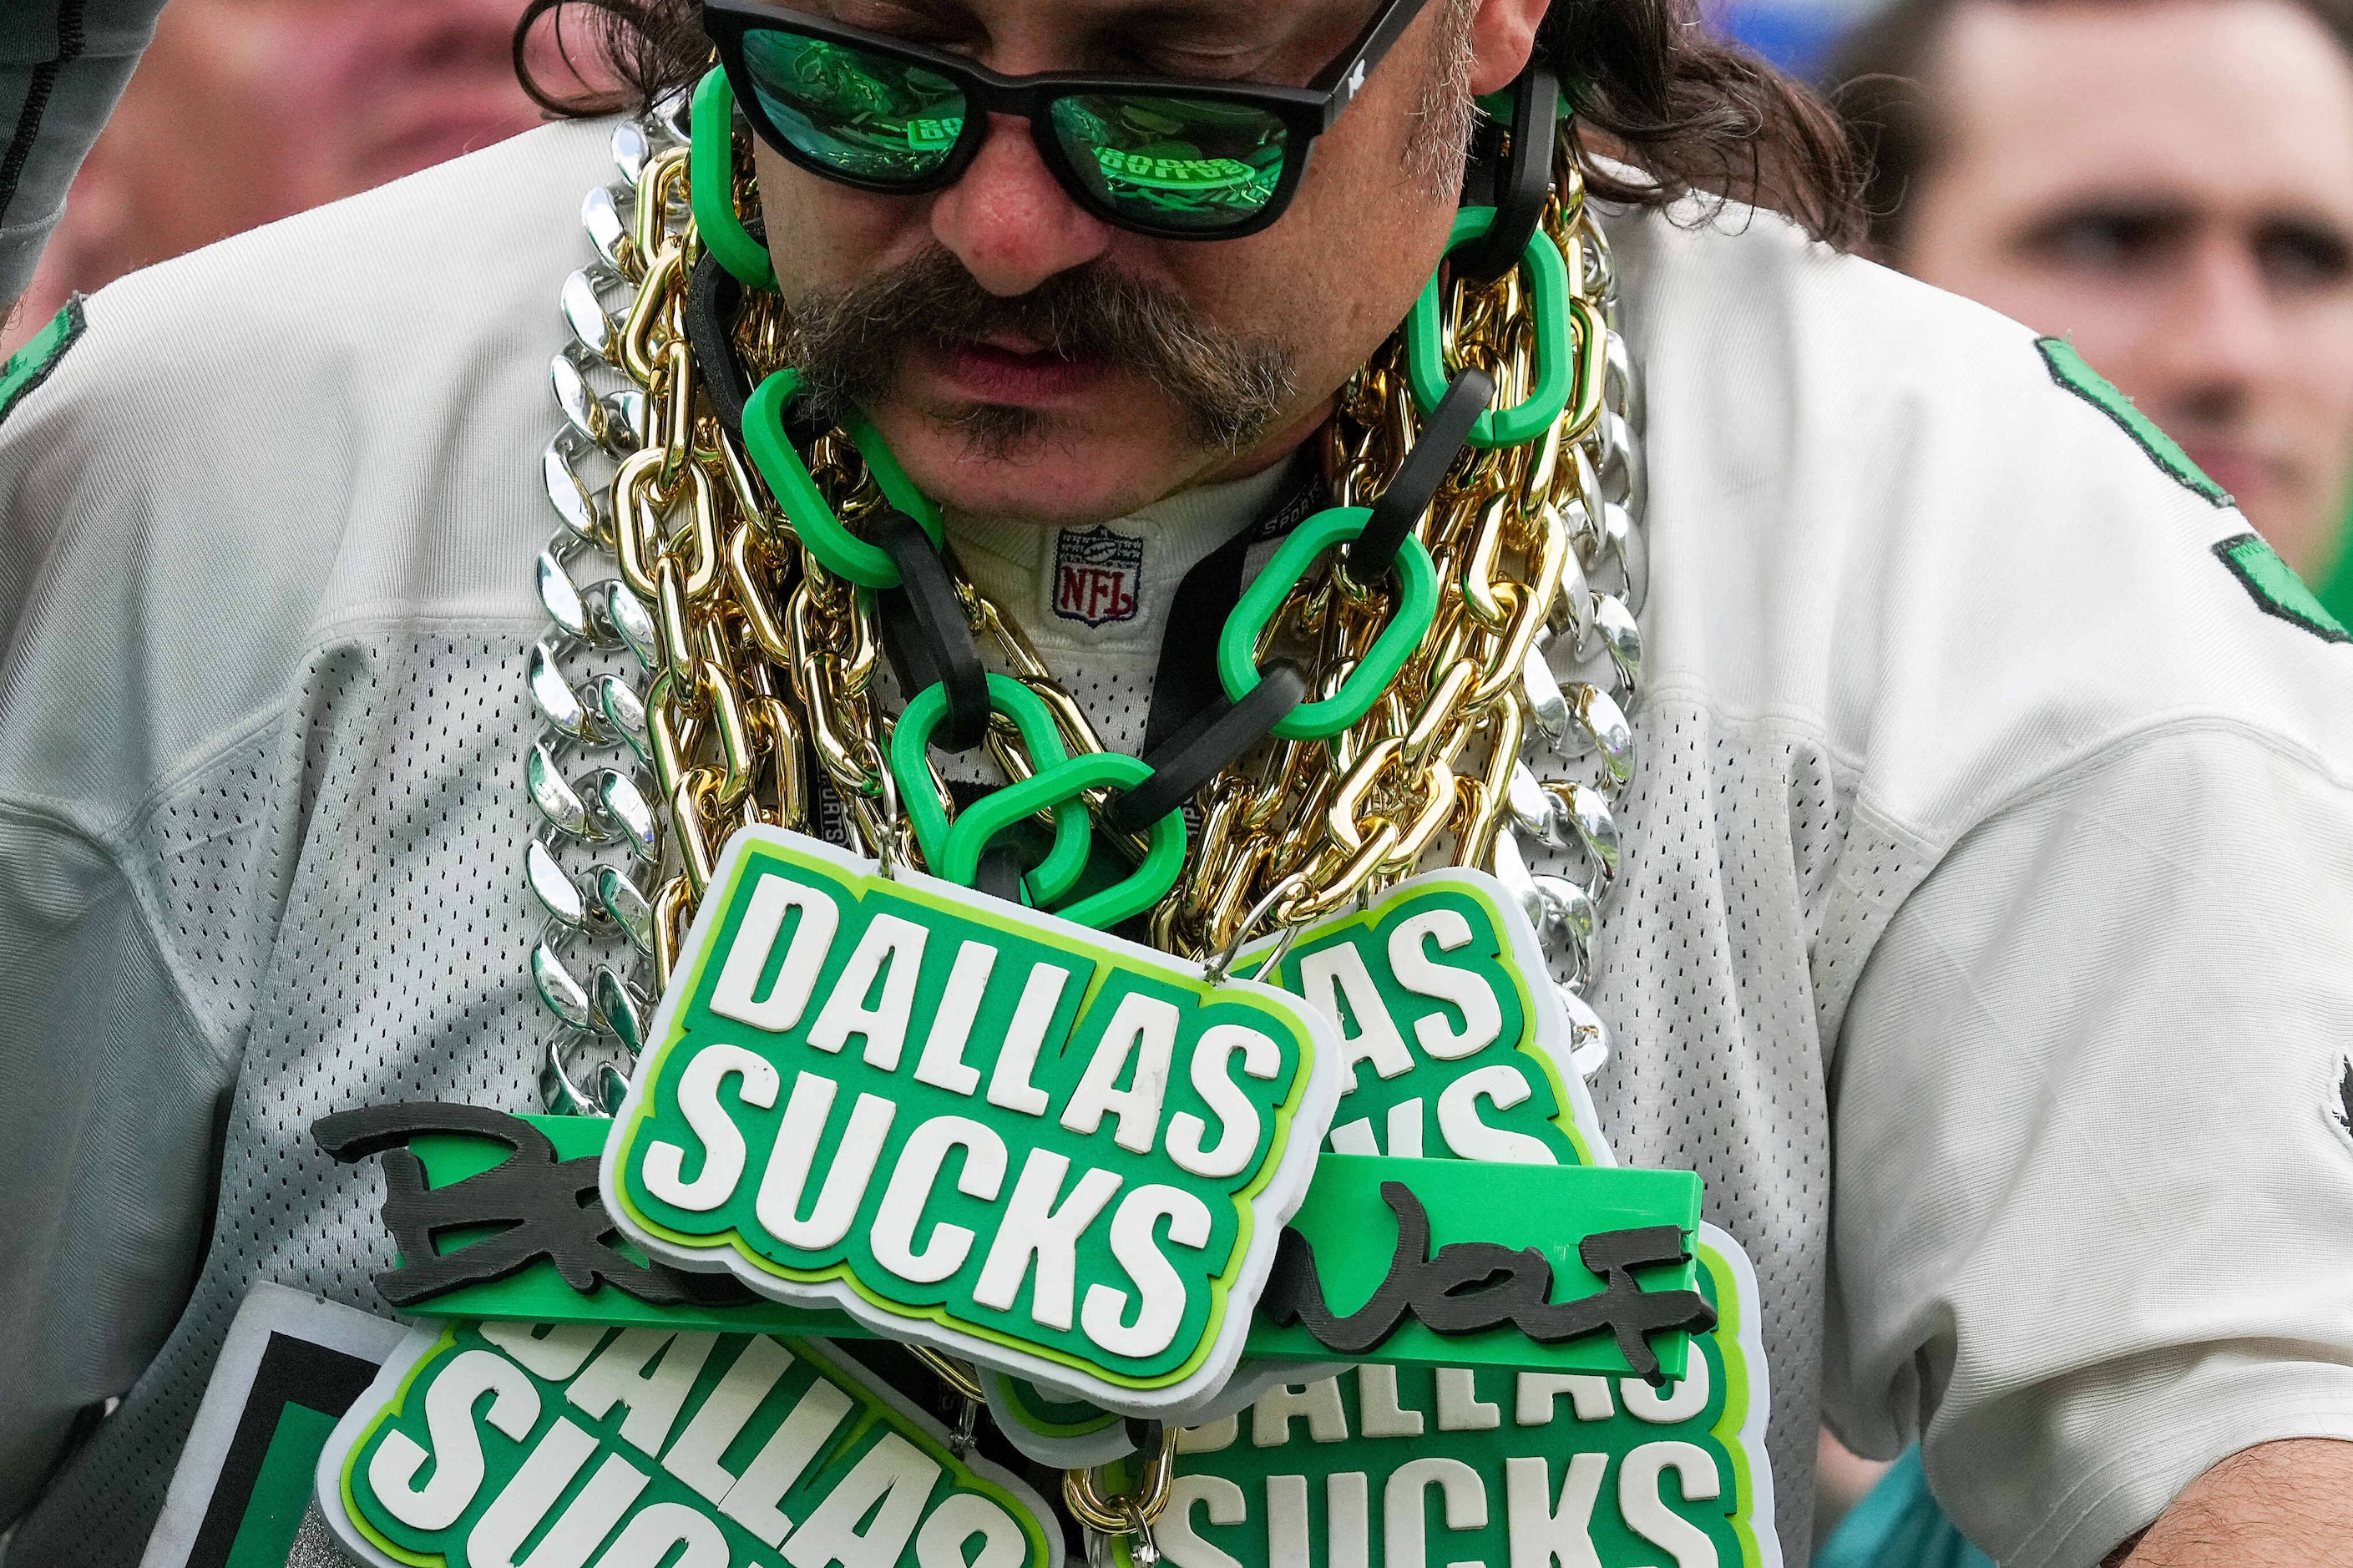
{"x":550,"y":1209}
{"x":1468,"y":1286}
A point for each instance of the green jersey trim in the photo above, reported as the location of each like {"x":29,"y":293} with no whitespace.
{"x":2276,"y":589}
{"x":2069,"y":370}
{"x":31,"y":365}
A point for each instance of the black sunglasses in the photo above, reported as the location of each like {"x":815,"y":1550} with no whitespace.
{"x":1163,"y":156}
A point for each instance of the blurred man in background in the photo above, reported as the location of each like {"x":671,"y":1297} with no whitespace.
{"x":244,"y":111}
{"x":2168,"y":185}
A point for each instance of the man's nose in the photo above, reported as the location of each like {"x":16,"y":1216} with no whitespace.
{"x":1009,"y":221}
{"x":2225,"y":335}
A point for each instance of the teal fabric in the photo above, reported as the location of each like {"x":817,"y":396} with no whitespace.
{"x":1898,"y":1525}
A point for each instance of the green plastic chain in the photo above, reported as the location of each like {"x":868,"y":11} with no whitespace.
{"x":1550,"y":308}
{"x":1073,"y":829}
{"x":710,"y":186}
{"x":1050,"y":787}
{"x":1417,"y":607}
{"x":821,"y":532}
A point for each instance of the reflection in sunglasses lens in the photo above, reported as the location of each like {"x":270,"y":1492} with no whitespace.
{"x":1172,"y":164}
{"x":1176,"y":163}
{"x":872,"y":117}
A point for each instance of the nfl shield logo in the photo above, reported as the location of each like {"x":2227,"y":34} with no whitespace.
{"x":1097,"y":576}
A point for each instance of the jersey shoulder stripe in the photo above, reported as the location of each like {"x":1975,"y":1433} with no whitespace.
{"x":2069,"y":370}
{"x":31,"y":365}
{"x":2276,"y":589}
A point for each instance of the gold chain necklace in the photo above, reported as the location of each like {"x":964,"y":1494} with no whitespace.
{"x":761,"y":663}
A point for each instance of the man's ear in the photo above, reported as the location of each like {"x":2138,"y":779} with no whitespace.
{"x":1503,"y":37}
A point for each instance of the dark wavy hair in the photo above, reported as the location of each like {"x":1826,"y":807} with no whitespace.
{"x":1654,"y":87}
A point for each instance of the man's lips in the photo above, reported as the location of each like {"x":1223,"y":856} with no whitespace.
{"x":2235,"y":466}
{"x":998,"y":372}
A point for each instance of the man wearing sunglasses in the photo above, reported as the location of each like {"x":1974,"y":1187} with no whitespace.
{"x":1050,"y":339}
{"x":1971,"y":884}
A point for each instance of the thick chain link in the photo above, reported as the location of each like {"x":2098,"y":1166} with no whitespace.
{"x":595,"y":862}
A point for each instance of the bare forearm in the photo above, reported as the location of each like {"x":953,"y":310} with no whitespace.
{"x":2277,"y":1505}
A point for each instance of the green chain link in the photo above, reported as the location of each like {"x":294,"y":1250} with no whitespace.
{"x":711,"y":186}
{"x":1050,"y":787}
{"x":821,"y":532}
{"x":1073,"y":829}
{"x":1549,"y":309}
{"x":1417,"y":607}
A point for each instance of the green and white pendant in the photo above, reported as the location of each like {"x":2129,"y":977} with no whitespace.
{"x":495,"y":1445}
{"x":1387,"y":1466}
{"x":1051,"y":1152}
{"x":1454,"y":1045}
{"x":1454,"y":1049}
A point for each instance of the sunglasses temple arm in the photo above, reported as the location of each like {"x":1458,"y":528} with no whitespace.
{"x":1348,"y":73}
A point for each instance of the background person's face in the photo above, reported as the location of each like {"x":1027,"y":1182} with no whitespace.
{"x":1325,"y":283}
{"x":2169,"y":186}
{"x":245,"y":111}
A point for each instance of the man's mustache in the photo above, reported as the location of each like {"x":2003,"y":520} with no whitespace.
{"x":850,"y":345}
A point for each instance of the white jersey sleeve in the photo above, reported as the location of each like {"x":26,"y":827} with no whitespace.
{"x":2073,"y":892}
{"x":108,"y":1098}
{"x":2091,"y":1142}
{"x":265,"y":593}
{"x":112,"y":1085}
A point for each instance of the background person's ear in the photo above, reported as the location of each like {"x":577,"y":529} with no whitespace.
{"x":1503,"y":37}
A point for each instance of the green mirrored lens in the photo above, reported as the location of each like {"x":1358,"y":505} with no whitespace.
{"x":869,"y":116}
{"x":1177,"y":162}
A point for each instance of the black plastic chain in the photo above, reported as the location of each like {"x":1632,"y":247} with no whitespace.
{"x":944,"y":636}
{"x":711,"y":296}
{"x":1205,"y":746}
{"x":1523,"y":179}
{"x":1001,"y":872}
{"x":931,"y":642}
{"x":1408,"y":494}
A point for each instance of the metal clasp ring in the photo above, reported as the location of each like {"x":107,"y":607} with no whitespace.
{"x":1218,"y":968}
{"x":1126,"y":1513}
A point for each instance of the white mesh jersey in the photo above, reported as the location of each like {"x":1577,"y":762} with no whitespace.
{"x":1984,"y":940}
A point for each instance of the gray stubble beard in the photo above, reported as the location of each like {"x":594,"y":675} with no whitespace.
{"x":1446,"y":116}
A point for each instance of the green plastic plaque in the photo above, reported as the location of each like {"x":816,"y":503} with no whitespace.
{"x":1385,"y":1465}
{"x":965,"y":1124}
{"x":491,"y":1445}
